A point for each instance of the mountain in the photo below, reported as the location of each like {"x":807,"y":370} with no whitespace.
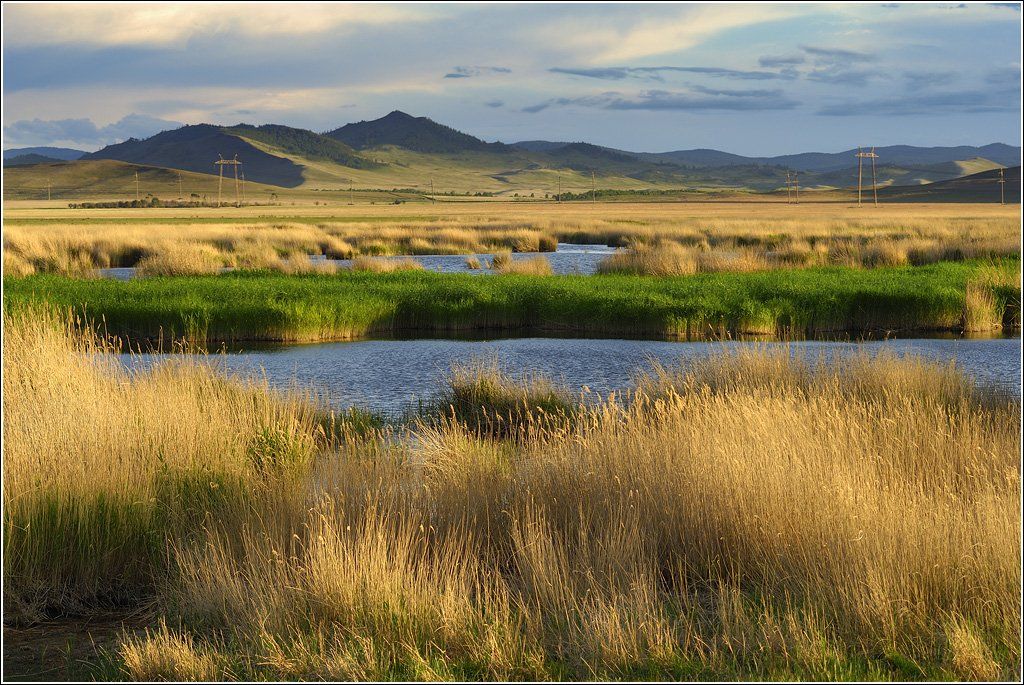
{"x":60,"y":153}
{"x":24,"y":160}
{"x":419,"y":134}
{"x":900,"y":155}
{"x":303,"y":143}
{"x":400,"y":151}
{"x":197,"y":147}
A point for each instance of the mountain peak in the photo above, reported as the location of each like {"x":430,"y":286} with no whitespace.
{"x":412,"y":133}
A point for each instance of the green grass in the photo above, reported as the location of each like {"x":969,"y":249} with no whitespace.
{"x":254,"y":306}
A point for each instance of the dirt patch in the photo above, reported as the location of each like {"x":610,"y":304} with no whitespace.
{"x":68,"y":649}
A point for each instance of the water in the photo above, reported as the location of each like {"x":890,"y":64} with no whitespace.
{"x":567,"y":259}
{"x":389,"y":376}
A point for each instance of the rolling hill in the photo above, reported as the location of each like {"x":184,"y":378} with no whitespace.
{"x":402,"y":151}
{"x":58,"y":153}
{"x":979,"y":187}
{"x":106,"y":178}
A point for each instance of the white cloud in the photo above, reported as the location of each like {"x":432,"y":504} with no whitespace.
{"x":173,"y":24}
{"x":610,"y":38}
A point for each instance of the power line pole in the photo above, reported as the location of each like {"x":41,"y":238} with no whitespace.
{"x":47,"y":190}
{"x":431,"y":191}
{"x":796,"y":188}
{"x":1002,"y":186}
{"x":558,"y":198}
{"x":136,"y":186}
{"x":180,"y":194}
{"x":789,"y":190}
{"x":861,"y":155}
{"x":593,"y":188}
{"x":220,"y":177}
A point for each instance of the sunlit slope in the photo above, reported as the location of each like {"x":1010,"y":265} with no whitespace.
{"x":110,"y":179}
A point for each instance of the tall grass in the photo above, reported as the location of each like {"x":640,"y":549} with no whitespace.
{"x":777,"y":236}
{"x":803,"y":302}
{"x":756,"y":516}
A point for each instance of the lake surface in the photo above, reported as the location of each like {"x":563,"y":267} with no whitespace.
{"x":390,"y":376}
{"x":567,"y":259}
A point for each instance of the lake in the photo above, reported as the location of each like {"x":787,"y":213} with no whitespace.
{"x":389,"y":376}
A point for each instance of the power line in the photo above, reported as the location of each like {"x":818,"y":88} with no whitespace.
{"x":861,"y":156}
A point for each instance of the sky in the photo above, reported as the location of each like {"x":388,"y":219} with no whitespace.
{"x":761,"y":79}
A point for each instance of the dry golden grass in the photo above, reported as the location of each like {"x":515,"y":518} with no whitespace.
{"x":778,"y":235}
{"x":534,"y":266}
{"x":184,"y":259}
{"x":753,"y":516}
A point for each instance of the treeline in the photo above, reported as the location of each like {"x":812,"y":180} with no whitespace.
{"x":646,"y":192}
{"x":153,"y":202}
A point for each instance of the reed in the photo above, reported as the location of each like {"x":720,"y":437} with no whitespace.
{"x":819,"y":234}
{"x":756,"y":516}
{"x":787,"y":303}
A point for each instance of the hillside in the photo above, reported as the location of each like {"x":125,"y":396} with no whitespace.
{"x":23,"y":160}
{"x":400,"y":151}
{"x":58,"y":153}
{"x":979,"y":187}
{"x":300,"y":142}
{"x":419,"y":134}
{"x":104,"y":178}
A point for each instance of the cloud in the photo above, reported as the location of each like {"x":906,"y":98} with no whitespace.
{"x":84,"y":131}
{"x":655,"y":73}
{"x":1004,"y":76}
{"x":468,"y":72}
{"x":626,"y":33}
{"x":697,"y":99}
{"x":843,"y":77}
{"x":495,"y":103}
{"x":781,"y":61}
{"x":836,"y":55}
{"x":953,"y":102}
{"x":175,"y":24}
{"x":920,"y":80}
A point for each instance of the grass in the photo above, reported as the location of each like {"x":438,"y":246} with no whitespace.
{"x":54,"y":240}
{"x":752,"y":517}
{"x":263,"y":306}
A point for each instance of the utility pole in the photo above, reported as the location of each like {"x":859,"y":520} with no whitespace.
{"x":220,"y":177}
{"x":136,"y":186}
{"x":861,"y":155}
{"x":796,"y":188}
{"x":593,"y":189}
{"x":431,"y":191}
{"x":180,"y":195}
{"x":1002,"y":186}
{"x":351,"y":199}
{"x":47,"y":190}
{"x":558,"y":198}
{"x":789,"y":189}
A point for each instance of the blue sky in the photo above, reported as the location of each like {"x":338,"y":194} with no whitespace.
{"x":758,"y":79}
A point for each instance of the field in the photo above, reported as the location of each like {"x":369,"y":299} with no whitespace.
{"x":751,"y":516}
{"x":873,"y":534}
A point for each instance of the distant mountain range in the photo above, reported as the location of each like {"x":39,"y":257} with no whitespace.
{"x":403,"y":151}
